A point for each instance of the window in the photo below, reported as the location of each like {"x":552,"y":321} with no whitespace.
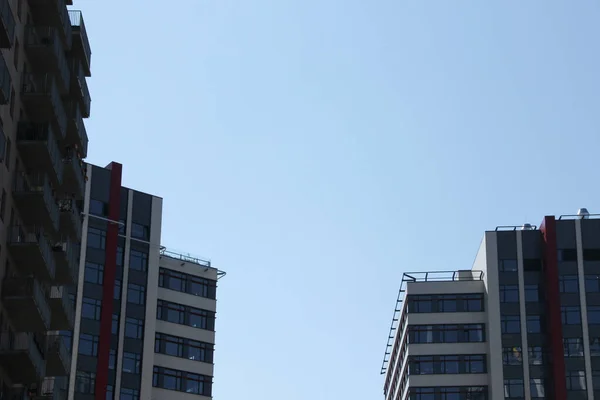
{"x":513,"y":388}
{"x":420,"y":304}
{"x":120,"y":256}
{"x":91,"y":308}
{"x":132,"y":362}
{"x":184,"y":348}
{"x":591,"y":254}
{"x":576,"y":380}
{"x":446,"y":333}
{"x":472,"y":302}
{"x":573,"y":347}
{"x":115,"y":324}
{"x":2,"y":205}
{"x":532,"y":264}
{"x":140,"y":231}
{"x":88,"y":345}
{"x":536,"y":355}
{"x":510,"y":324}
{"x":508,"y":265}
{"x":112,"y":359}
{"x":532,"y":294}
{"x":596,"y":380}
{"x":509,"y":293}
{"x":595,"y":346}
{"x":592,"y":283}
{"x":475,"y":364}
{"x":130,"y":394}
{"x":199,"y":351}
{"x":570,"y":315}
{"x":533,"y":324}
{"x":422,"y":393}
{"x":447,"y":303}
{"x":172,"y":280}
{"x":422,"y":365}
{"x":110,"y":392}
{"x":94,"y":273}
{"x":473,"y":333}
{"x":449,"y":364}
{"x":134,"y":328}
{"x":117,"y":290}
{"x":567,"y":255}
{"x":136,"y":294}
{"x":98,"y":207}
{"x":568,"y":284}
{"x":512,"y":356}
{"x":537,"y":388}
{"x":202,"y":319}
{"x":171,"y":312}
{"x":85,"y":382}
{"x":593,"y":315}
{"x":96,"y":238}
{"x":138,"y":260}
{"x":188,"y":382}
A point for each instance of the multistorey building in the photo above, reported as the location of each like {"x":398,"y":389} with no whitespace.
{"x":145,"y":316}
{"x":44,"y":61}
{"x":523,"y":323}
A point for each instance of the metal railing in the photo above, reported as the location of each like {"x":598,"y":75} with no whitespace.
{"x":78,"y":72}
{"x":22,"y":342}
{"x":5,"y":81}
{"x":8,"y":19}
{"x":29,"y":132}
{"x":70,"y":206}
{"x":33,"y":235}
{"x":46,"y":36}
{"x":443,"y":276}
{"x":184,"y":257}
{"x":56,"y":344}
{"x":54,"y":388}
{"x":27,"y":287}
{"x":44,"y":84}
{"x":61,"y":292}
{"x":38,"y":183}
{"x":77,"y":165}
{"x":77,"y":24}
{"x":70,"y":252}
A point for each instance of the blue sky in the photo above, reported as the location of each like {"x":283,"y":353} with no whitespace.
{"x":317,"y":149}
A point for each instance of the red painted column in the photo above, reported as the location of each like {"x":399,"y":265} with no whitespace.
{"x":548,"y":229}
{"x":110,"y":269}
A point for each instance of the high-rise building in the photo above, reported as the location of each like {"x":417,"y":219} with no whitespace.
{"x":154,"y":336}
{"x":523,"y":323}
{"x":44,"y":61}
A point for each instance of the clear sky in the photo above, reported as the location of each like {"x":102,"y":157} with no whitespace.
{"x":317,"y":149}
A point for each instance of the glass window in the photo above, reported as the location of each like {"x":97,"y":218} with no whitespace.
{"x":576,"y":380}
{"x":110,"y":392}
{"x":570,"y":315}
{"x":132,"y":362}
{"x":508,"y":265}
{"x":532,"y":294}
{"x":96,"y":238}
{"x":513,"y":388}
{"x":170,"y":312}
{"x":202,"y":287}
{"x":509,"y":293}
{"x":473,"y":302}
{"x":591,"y":254}
{"x":172,"y":280}
{"x":98,"y":207}
{"x":140,"y":231}
{"x":593,"y":315}
{"x":88,"y":345}
{"x":112,"y":359}
{"x":537,"y":388}
{"x":115,"y":324}
{"x":199,"y":351}
{"x":450,"y":364}
{"x":592,"y":283}
{"x":420,"y":304}
{"x":422,"y":365}
{"x":534,"y":324}
{"x":201,"y":319}
{"x":85,"y":382}
{"x":447,"y":303}
{"x":475,"y":364}
{"x":138,"y":260}
{"x":94,"y":273}
{"x":536,"y":355}
{"x":136,"y":294}
{"x":134,"y":328}
{"x":595,"y":346}
{"x":532,"y":264}
{"x":91,"y":308}
{"x":117,"y":293}
{"x":422,"y":394}
{"x":510,"y":324}
{"x":567,"y":255}
{"x":568,"y":284}
{"x":596,"y":380}
{"x":129,"y":394}
{"x":573,"y":347}
{"x":120,"y":256}
{"x":473,"y":333}
{"x":512,"y":356}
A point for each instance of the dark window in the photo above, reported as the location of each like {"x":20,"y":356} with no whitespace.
{"x":570,"y":315}
{"x":202,"y":319}
{"x":450,"y":364}
{"x":596,"y":380}
{"x":117,"y":290}
{"x":573,"y":347}
{"x":98,"y":207}
{"x":593,"y":315}
{"x":532,"y":294}
{"x":512,"y":356}
{"x":172,"y":280}
{"x":96,"y":238}
{"x":509,"y":293}
{"x":119,"y":256}
{"x":567,"y":255}
{"x":473,"y":302}
{"x":94,"y":273}
{"x":171,"y":312}
{"x":537,"y":388}
{"x":422,"y":393}
{"x":138,"y":260}
{"x":201,"y":287}
{"x":422,"y":365}
{"x":592,"y":283}
{"x":508,"y":265}
{"x":88,"y":345}
{"x":182,"y":381}
{"x":534,"y":324}
{"x":2,"y":205}
{"x":112,"y":359}
{"x":85,"y":382}
{"x":510,"y":324}
{"x":536,"y":355}
{"x":591,"y":254}
{"x":140,"y":231}
{"x":420,"y":304}
{"x":576,"y":380}
{"x":446,"y":333}
{"x":136,"y":294}
{"x":134,"y":328}
{"x":179,"y":314}
{"x":447,"y":303}
{"x":110,"y":392}
{"x":183,"y":348}
{"x":532,"y":264}
{"x":595,"y":346}
{"x":568,"y":284}
{"x":115,"y":324}
{"x":130,"y":394}
{"x":475,"y":364}
{"x":91,"y":308}
{"x":513,"y":388}
{"x":132,"y":362}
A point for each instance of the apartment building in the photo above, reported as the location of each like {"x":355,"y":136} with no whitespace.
{"x":154,"y":338}
{"x":44,"y":61}
{"x":522,"y":323}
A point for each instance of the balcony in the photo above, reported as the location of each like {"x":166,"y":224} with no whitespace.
{"x":35,"y":201}
{"x":26,"y":304}
{"x":70,"y":219}
{"x":81,"y":43}
{"x":53,"y":388}
{"x":61,"y":309}
{"x":31,"y":252}
{"x":7,"y":25}
{"x":42,"y":99}
{"x":47,"y":54}
{"x":79,"y":87}
{"x":74,"y":181}
{"x":21,"y":358}
{"x":53,"y":13}
{"x":58,"y":358}
{"x":66,"y":255}
{"x":76,"y":133}
{"x":5,"y":81}
{"x":39,"y":150}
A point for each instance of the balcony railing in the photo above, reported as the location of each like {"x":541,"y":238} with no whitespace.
{"x":7,"y":30}
{"x":58,"y":358}
{"x":5,"y":81}
{"x":67,"y":262}
{"x":76,"y":132}
{"x":26,"y":304}
{"x":31,"y":251}
{"x":75,"y":181}
{"x":44,"y":101}
{"x":62,"y":310}
{"x":53,"y":13}
{"x":35,"y":199}
{"x":39,"y":150}
{"x":54,"y":388}
{"x":78,"y":27}
{"x":21,"y":357}
{"x":46,"y":50}
{"x":70,"y":216}
{"x":80,"y":86}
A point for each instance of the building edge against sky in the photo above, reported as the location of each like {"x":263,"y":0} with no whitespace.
{"x":523,"y":323}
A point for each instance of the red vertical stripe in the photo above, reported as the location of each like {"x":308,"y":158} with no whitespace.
{"x":110,"y":267}
{"x":548,"y":229}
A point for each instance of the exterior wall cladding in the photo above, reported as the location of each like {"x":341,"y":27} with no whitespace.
{"x":523,"y":323}
{"x":154,"y":337}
